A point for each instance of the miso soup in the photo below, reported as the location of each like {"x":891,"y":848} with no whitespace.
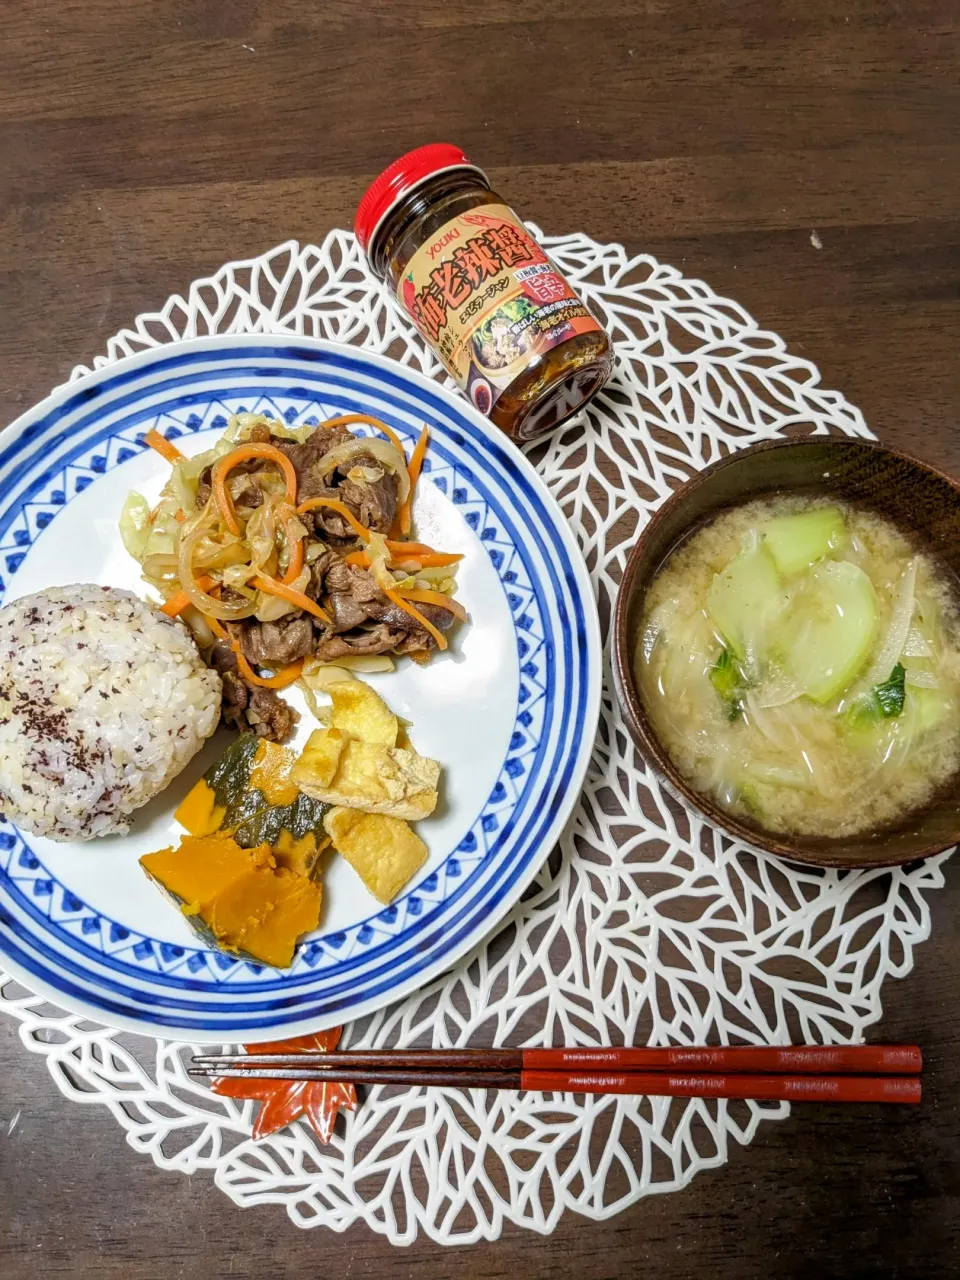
{"x":799,"y":660}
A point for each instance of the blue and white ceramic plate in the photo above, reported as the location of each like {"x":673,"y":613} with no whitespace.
{"x":510,"y":711}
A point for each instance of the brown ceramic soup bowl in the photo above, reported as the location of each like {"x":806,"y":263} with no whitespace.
{"x":923,"y":503}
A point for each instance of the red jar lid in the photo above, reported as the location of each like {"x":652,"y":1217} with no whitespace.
{"x":399,"y":179}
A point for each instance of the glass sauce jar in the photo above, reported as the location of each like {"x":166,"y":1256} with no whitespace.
{"x":504,"y":322}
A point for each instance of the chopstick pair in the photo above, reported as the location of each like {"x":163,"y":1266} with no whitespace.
{"x":795,"y":1073}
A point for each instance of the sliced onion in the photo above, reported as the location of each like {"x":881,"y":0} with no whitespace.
{"x":214,"y":555}
{"x":379,"y":558}
{"x":659,"y":620}
{"x":206,"y":604}
{"x":367,"y":663}
{"x":922,"y":680}
{"x":161,"y":568}
{"x":323,"y":674}
{"x":778,"y":694}
{"x":388,"y":455}
{"x":915,"y":645}
{"x":365,"y":475}
{"x":888,"y":655}
{"x":198,"y":625}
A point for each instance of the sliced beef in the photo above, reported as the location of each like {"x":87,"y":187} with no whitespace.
{"x":374,"y":502}
{"x":251,"y":495}
{"x":377,"y":639}
{"x":269,"y":716}
{"x":351,"y":579}
{"x":248,"y":707}
{"x":380,"y":638}
{"x":353,"y":596}
{"x":355,"y":600}
{"x":306,"y":456}
{"x":275,"y":644}
{"x":347,"y":587}
{"x":386,"y":611}
{"x":319,"y":569}
{"x":235,"y":693}
{"x":414,"y":642}
{"x":327,"y":525}
{"x":348,"y":614}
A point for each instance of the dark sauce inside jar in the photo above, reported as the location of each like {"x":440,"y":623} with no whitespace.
{"x":504,"y":322}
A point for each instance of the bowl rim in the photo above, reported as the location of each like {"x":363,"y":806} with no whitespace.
{"x":631,"y":703}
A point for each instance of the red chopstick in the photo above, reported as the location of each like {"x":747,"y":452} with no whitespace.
{"x":852,"y":1059}
{"x":663,"y":1084}
{"x":794,"y":1073}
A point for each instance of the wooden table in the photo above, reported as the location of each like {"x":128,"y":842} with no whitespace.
{"x":804,"y":158}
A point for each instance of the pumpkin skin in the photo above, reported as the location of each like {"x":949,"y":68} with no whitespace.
{"x":248,"y":792}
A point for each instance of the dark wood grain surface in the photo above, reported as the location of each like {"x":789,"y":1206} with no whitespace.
{"x":145,"y":142}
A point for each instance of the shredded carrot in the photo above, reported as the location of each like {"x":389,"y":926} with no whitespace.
{"x":414,"y":469}
{"x":166,"y":448}
{"x":232,"y":459}
{"x":408,"y":546}
{"x":373,"y":422}
{"x":439,"y":599}
{"x":218,"y":629}
{"x":429,"y":559}
{"x":334,"y":504}
{"x":294,"y":547}
{"x":177,"y":603}
{"x":417,"y":616}
{"x":287,"y":675}
{"x":280,"y":589}
{"x":401,"y":552}
{"x":179,"y":516}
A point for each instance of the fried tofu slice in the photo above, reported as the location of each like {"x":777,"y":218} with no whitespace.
{"x":385,"y":852}
{"x":319,"y":759}
{"x":361,"y":713}
{"x":368,"y":776}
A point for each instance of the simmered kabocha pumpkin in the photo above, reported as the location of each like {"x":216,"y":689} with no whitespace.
{"x":237,"y":899}
{"x":244,"y":876}
{"x":248,"y":792}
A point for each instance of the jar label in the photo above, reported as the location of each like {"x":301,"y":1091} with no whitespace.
{"x":489,"y":300}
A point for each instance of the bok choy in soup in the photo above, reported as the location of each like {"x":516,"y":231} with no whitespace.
{"x":800,"y":662}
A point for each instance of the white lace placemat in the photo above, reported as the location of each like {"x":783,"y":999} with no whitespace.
{"x":646,"y":925}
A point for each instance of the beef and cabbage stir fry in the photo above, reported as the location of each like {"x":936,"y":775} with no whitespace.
{"x":289,"y":547}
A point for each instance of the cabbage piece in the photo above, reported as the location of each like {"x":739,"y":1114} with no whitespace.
{"x":164,"y":532}
{"x":135,"y":525}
